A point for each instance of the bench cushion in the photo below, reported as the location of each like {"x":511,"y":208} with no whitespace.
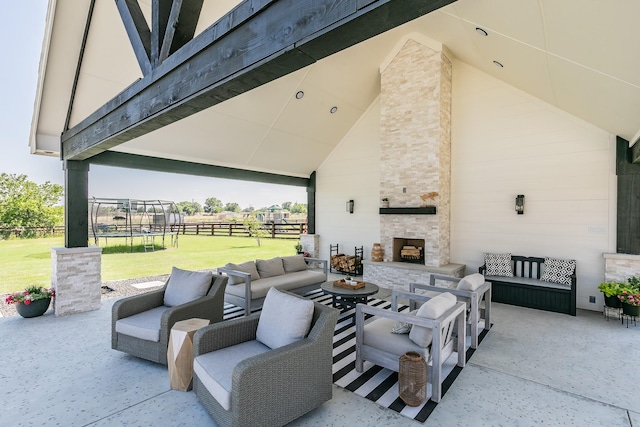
{"x":526,"y":281}
{"x":215,"y":369}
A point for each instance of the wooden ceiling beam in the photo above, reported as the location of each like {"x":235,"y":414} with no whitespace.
{"x":138,"y":32}
{"x":255,"y":43}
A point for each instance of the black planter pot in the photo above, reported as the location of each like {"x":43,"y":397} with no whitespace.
{"x":35,"y":309}
{"x":630,"y":310}
{"x":612,"y":301}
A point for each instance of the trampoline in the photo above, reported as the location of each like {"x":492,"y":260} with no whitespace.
{"x":132,"y":219}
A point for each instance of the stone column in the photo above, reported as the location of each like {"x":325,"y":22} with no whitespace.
{"x":76,"y":278}
{"x":415,"y":147}
{"x":311,"y":244}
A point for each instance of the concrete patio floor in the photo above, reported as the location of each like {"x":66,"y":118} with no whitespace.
{"x":533,"y":368}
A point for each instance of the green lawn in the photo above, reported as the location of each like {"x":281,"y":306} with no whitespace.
{"x":28,"y":261}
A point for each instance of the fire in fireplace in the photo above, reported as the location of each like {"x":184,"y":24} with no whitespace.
{"x":408,"y":250}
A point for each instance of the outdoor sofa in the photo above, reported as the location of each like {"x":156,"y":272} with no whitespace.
{"x":250,"y":281}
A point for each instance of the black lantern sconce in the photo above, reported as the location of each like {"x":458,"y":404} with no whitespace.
{"x":520,"y":204}
{"x":350,"y":206}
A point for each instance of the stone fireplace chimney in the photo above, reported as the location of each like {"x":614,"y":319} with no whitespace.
{"x":415,"y":139}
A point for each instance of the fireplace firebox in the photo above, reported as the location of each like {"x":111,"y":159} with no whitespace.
{"x":408,"y":250}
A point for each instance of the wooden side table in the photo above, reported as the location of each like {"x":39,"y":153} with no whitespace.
{"x":180,"y":352}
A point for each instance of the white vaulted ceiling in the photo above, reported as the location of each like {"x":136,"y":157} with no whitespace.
{"x":582,"y":56}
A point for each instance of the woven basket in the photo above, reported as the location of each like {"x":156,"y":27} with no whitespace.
{"x":412,"y":378}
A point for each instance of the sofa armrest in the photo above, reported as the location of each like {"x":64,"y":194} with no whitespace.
{"x":207,"y":307}
{"x":324,"y":262}
{"x":225,"y":334}
{"x":247,"y":285}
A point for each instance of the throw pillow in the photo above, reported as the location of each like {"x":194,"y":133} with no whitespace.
{"x":185,"y":286}
{"x":431,"y":309}
{"x":285,"y":319}
{"x":498,"y":265}
{"x":294,"y":263}
{"x":401,"y":327}
{"x":270,"y":267}
{"x":558,"y":270}
{"x":471,"y":282}
{"x":245,"y":267}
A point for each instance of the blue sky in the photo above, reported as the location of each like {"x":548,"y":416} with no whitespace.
{"x":20,"y":45}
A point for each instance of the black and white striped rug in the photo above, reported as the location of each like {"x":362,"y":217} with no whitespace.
{"x":375,"y":383}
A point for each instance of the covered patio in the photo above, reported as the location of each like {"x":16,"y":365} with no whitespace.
{"x":62,"y":371}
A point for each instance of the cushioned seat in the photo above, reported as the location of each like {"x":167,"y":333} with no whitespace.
{"x":431,"y":334}
{"x":269,"y":368}
{"x":140,"y":324}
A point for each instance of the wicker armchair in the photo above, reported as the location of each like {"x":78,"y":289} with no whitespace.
{"x":274,"y":387}
{"x":210,"y":306}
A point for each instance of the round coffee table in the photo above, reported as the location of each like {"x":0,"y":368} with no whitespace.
{"x":348,"y":298}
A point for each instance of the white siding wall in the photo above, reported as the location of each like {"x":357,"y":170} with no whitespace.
{"x":504,"y":143}
{"x":352,"y":171}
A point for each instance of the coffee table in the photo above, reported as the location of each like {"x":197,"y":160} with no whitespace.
{"x":348,"y":298}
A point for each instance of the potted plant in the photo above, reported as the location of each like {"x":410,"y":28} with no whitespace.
{"x":611,"y":290}
{"x":31,"y":302}
{"x":385,"y":202}
{"x":630,"y":302}
{"x":299,"y":248}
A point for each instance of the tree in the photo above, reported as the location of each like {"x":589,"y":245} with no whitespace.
{"x":232,"y":207}
{"x":249,"y":209}
{"x":213,"y":205}
{"x":254,"y":227}
{"x":24,"y":203}
{"x":286,"y":206}
{"x":299,"y":208}
{"x":189,"y":208}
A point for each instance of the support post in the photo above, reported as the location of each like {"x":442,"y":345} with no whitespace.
{"x":311,"y":204}
{"x":76,"y":204}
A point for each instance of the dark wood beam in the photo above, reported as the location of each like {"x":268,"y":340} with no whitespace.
{"x":635,"y":153}
{"x":156,"y":164}
{"x":257,"y":42}
{"x":628,"y":200}
{"x":160,"y":11}
{"x":76,"y":204}
{"x":311,"y":204}
{"x":181,"y":26}
{"x":138,"y":32}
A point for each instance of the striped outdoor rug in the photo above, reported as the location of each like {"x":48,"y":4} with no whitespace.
{"x":375,"y":383}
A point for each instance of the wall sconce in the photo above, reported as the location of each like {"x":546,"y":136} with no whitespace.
{"x":350,"y":206}
{"x":520,"y":204}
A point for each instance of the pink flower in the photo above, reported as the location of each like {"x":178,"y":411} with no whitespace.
{"x":27,"y":302}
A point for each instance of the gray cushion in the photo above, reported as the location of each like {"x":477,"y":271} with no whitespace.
{"x":215,"y":369}
{"x":245,"y":267}
{"x":471,"y":282}
{"x":145,"y":325}
{"x":294,"y":263}
{"x":498,"y":265}
{"x":432,"y":309}
{"x":525,"y":281}
{"x":285,"y":319}
{"x":270,"y":267}
{"x":377,"y":335}
{"x":286,"y":282}
{"x":558,"y":270}
{"x":185,"y":286}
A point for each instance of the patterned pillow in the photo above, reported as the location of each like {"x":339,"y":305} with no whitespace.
{"x":401,"y":327}
{"x":558,"y":270}
{"x":498,"y":265}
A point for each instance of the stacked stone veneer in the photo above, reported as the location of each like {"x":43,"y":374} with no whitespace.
{"x":394,"y":275}
{"x":415,"y":147}
{"x":619,"y":267}
{"x":76,"y":278}
{"x":311,"y":244}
